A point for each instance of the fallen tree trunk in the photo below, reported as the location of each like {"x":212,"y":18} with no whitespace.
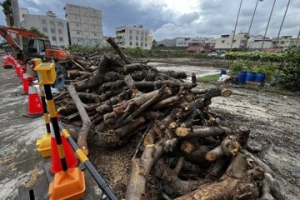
{"x":83,"y":133}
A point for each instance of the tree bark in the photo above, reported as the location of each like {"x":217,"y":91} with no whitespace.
{"x":96,"y":79}
{"x":82,"y":136}
{"x":136,"y":189}
{"x":118,"y":50}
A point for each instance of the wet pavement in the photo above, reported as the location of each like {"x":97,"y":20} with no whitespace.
{"x":21,"y":167}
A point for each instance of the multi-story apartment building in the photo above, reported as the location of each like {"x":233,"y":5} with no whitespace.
{"x":85,"y":25}
{"x":239,"y":41}
{"x":133,"y":36}
{"x":55,"y":28}
{"x":282,"y":42}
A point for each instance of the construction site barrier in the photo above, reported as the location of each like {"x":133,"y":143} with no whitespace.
{"x":87,"y":163}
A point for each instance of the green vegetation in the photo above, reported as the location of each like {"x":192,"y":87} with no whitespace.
{"x":290,"y":70}
{"x":269,"y":69}
{"x":209,"y":78}
{"x":256,"y":56}
{"x":8,"y":11}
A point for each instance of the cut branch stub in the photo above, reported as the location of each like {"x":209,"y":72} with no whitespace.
{"x":201,"y":132}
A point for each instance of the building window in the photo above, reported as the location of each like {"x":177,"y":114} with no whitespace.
{"x":130,"y":37}
{"x":145,"y":44}
{"x":78,"y":32}
{"x":130,"y":31}
{"x":130,"y":43}
{"x":45,"y":29}
{"x":60,"y":24}
{"x":44,"y":21}
{"x":95,"y":34}
{"x":53,"y":38}
{"x":77,"y":24}
{"x":234,"y":41}
{"x":142,"y":38}
{"x":137,"y":37}
{"x":137,"y":32}
{"x":136,"y":44}
{"x":223,"y":41}
{"x":61,"y":39}
{"x":60,"y":31}
{"x":51,"y":22}
{"x":52,"y":30}
{"x":282,"y":42}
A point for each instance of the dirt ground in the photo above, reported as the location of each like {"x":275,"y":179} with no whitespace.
{"x":273,"y":119}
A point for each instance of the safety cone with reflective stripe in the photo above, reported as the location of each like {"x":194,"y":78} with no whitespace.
{"x":25,"y":81}
{"x":35,"y":108}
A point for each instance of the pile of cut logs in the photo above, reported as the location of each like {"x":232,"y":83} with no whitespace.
{"x":183,"y":143}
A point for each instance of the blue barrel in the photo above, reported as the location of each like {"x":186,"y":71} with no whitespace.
{"x":242,"y":75}
{"x":250,"y":76}
{"x":260,"y":77}
{"x":223,"y":71}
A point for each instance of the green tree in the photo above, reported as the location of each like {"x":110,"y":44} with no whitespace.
{"x":7,"y":10}
{"x":154,"y":44}
{"x":290,"y":72}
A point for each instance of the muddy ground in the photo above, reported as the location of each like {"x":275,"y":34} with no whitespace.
{"x":274,"y":121}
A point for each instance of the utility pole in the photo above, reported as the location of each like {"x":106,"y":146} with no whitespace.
{"x":237,"y":20}
{"x":288,"y":4}
{"x":16,"y":17}
{"x":251,"y":22}
{"x":262,"y":44}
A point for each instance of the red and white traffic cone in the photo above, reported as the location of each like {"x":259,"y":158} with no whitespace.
{"x":35,"y":108}
{"x":7,"y":65}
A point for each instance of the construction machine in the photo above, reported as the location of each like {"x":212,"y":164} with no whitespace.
{"x":37,"y":47}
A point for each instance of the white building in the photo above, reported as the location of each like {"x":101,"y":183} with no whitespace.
{"x":85,"y":25}
{"x":22,"y":12}
{"x":133,"y":36}
{"x":239,"y":41}
{"x":185,"y":42}
{"x":55,"y":28}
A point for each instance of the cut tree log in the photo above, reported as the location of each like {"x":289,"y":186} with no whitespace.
{"x":228,"y":147}
{"x":236,"y":183}
{"x":96,"y":79}
{"x":172,"y":184}
{"x":83,"y":133}
{"x":201,"y":132}
{"x":136,"y":188}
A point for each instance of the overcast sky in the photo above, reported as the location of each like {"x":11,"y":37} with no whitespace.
{"x":189,"y":18}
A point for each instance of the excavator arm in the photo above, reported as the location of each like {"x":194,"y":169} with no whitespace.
{"x":9,"y":39}
{"x":4,"y":32}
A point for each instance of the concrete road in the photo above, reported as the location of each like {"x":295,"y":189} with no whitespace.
{"x":21,"y":166}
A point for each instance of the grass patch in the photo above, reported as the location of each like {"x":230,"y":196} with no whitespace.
{"x":209,"y":78}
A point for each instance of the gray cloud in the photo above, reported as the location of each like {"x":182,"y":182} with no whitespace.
{"x":207,"y":18}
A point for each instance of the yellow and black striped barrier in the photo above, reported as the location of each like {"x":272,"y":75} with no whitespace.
{"x":84,"y":159}
{"x":68,"y":183}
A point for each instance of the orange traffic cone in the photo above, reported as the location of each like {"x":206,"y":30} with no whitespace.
{"x":69,"y":155}
{"x":35,"y":108}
